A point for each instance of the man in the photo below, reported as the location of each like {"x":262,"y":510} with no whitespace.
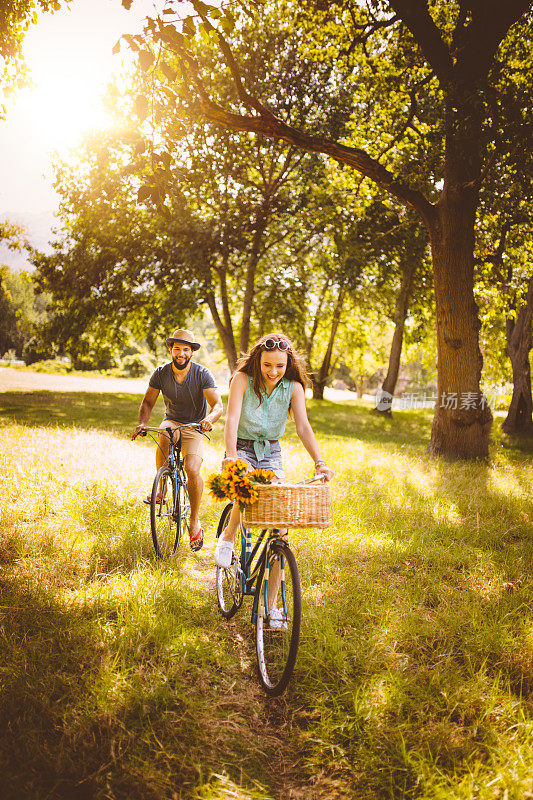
{"x":187,"y":389}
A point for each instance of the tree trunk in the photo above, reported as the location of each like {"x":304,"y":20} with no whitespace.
{"x":519,"y":417}
{"x":462,"y":420}
{"x":318,"y":388}
{"x":402,"y":307}
{"x":319,"y":381}
{"x":226,"y":336}
{"x":249,"y":289}
{"x":309,"y":340}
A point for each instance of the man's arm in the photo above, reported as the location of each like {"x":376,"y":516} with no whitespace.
{"x":145,"y":409}
{"x":214,"y":401}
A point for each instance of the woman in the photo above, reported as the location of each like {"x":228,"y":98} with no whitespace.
{"x":269,"y":382}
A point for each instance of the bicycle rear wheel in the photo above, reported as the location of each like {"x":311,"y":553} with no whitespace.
{"x":229,"y":589}
{"x":165,"y":529}
{"x":277,"y":634}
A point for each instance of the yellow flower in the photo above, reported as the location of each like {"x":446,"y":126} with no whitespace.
{"x":215,"y":486}
{"x":236,"y":483}
{"x":264,"y":476}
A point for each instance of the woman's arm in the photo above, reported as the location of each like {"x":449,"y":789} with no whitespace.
{"x":236,"y":393}
{"x":305,"y":431}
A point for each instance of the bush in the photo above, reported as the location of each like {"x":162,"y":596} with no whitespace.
{"x":137,"y":366}
{"x":51,"y":366}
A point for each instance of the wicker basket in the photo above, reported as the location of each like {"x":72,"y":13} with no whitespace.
{"x":286,"y":505}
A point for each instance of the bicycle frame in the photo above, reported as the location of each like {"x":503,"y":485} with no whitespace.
{"x":175,"y":462}
{"x":251,"y":578}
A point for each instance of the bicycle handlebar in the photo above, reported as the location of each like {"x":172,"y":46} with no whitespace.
{"x":317,"y":478}
{"x":165,"y":431}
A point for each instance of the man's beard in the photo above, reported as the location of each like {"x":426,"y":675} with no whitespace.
{"x":181,"y":366}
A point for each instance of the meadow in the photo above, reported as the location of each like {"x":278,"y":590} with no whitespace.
{"x":119,"y":679}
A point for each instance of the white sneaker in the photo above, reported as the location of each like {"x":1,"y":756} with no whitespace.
{"x":276,"y":620}
{"x":223,"y":553}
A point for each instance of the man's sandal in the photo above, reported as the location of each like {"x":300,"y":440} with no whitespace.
{"x":197,"y":541}
{"x":148,"y":499}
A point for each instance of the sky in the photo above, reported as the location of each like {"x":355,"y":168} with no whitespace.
{"x":69,"y":55}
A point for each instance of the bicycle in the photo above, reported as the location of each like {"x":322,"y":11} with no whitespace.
{"x":169,"y":499}
{"x":277,"y":636}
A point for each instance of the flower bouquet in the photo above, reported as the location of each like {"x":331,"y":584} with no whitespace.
{"x":235,"y":482}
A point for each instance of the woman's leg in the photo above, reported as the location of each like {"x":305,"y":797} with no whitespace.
{"x":228,"y":534}
{"x":274,"y":579}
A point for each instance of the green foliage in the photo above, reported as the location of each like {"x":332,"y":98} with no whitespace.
{"x":16,"y":16}
{"x":22,"y":309}
{"x":137,"y":365}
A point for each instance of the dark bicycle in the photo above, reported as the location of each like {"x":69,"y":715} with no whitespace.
{"x":269,"y":573}
{"x":169,"y":500}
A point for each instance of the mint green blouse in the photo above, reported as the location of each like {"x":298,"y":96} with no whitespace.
{"x":264,"y":421}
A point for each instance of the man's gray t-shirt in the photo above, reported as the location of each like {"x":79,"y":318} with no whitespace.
{"x":184,"y":402}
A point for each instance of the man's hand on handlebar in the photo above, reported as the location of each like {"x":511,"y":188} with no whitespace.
{"x":140,"y":430}
{"x":206,"y":424}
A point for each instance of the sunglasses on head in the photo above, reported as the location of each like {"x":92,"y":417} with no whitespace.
{"x":271,"y":344}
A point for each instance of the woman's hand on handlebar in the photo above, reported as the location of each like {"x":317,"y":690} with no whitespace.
{"x":140,"y":430}
{"x":323,"y":469}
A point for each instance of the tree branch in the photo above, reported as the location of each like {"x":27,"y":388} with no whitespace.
{"x":416,"y":17}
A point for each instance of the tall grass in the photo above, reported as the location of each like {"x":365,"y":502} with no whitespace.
{"x":120,"y":680}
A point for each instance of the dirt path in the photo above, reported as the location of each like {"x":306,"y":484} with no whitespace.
{"x":273,"y":722}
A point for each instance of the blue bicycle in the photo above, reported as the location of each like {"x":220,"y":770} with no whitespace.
{"x":268,"y":572}
{"x":169,"y":500}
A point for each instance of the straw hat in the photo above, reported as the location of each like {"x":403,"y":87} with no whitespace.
{"x":184,"y":337}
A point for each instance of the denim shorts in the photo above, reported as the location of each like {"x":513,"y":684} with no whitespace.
{"x":245,"y":450}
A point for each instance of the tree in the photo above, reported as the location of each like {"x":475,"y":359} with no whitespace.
{"x":504,"y":241}
{"x":16,"y":16}
{"x":451,"y":69}
{"x":507,"y":293}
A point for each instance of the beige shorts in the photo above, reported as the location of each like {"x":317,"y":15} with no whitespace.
{"x":192,"y":442}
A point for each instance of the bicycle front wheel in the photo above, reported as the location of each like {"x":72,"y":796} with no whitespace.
{"x":229,"y":589}
{"x":279,"y":615}
{"x":165,"y":529}
{"x":183,"y":508}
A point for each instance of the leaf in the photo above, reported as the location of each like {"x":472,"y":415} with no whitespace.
{"x":189,"y":28}
{"x":140,"y":147}
{"x":227,"y":23}
{"x":170,"y":93}
{"x":127,"y":4}
{"x":144,"y":193}
{"x":172,"y":36}
{"x":165,"y":159}
{"x":116,"y":48}
{"x":146,"y":59}
{"x":131,"y":41}
{"x":141,"y":106}
{"x":169,"y":73}
{"x":204,"y":31}
{"x":158,"y":194}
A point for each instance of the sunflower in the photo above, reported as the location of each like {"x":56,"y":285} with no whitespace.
{"x":215,"y":486}
{"x":236,"y":483}
{"x":264,"y":476}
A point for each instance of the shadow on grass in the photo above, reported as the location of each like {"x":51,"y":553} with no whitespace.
{"x":411,"y":429}
{"x":112,"y":412}
{"x":119,"y":412}
{"x":409,"y":650}
{"x":128,"y":694}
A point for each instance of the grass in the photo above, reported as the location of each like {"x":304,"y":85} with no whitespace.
{"x":120,"y":680}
